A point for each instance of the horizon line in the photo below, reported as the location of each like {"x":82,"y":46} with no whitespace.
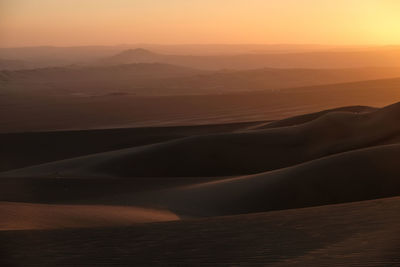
{"x":201,"y":44}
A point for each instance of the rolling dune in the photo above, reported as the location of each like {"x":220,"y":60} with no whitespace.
{"x":352,"y":176}
{"x":184,"y":196}
{"x":357,"y":175}
{"x":41,"y":147}
{"x":172,"y":149}
{"x":230,"y":154}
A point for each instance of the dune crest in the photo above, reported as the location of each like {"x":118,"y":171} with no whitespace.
{"x":239,"y":153}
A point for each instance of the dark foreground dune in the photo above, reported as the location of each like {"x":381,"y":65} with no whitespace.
{"x":352,"y":176}
{"x":240,"y":153}
{"x":357,"y":234}
{"x":334,"y":158}
{"x":42,"y":147}
{"x":237,"y":194}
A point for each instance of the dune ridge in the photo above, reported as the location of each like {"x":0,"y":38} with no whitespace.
{"x":357,"y":175}
{"x":240,"y":153}
{"x":318,"y":184}
{"x":41,"y":147}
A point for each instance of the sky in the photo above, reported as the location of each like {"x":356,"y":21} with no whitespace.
{"x":112,"y":22}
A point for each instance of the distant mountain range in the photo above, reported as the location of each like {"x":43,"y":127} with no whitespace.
{"x":212,"y":57}
{"x":324,"y":59}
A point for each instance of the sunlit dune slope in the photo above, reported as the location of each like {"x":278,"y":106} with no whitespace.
{"x":24,"y":216}
{"x":355,"y":234}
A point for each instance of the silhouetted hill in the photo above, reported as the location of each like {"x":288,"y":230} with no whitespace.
{"x":138,"y":55}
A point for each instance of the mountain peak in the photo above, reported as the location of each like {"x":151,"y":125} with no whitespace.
{"x":137,"y":55}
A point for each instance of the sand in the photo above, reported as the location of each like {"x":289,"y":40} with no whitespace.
{"x":234,"y":154}
{"x":41,"y":147}
{"x":28,"y":216}
{"x":356,"y":234}
{"x":318,"y":189}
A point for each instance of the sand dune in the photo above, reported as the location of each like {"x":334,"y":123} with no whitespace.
{"x":346,"y":157}
{"x":351,"y":176}
{"x":91,"y":191}
{"x":356,"y":234}
{"x":41,"y":147}
{"x":309,"y":117}
{"x":261,"y":192}
{"x":107,"y":212}
{"x":28,"y":216}
{"x":236,"y":153}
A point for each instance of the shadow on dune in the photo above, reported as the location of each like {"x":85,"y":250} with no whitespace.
{"x":355,"y":234}
{"x":240,"y":153}
{"x":352,"y":176}
{"x":334,"y":157}
{"x":42,"y":147}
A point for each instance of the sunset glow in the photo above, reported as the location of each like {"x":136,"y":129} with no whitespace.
{"x":77,"y":22}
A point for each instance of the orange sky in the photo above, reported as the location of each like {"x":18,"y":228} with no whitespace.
{"x":85,"y":22}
